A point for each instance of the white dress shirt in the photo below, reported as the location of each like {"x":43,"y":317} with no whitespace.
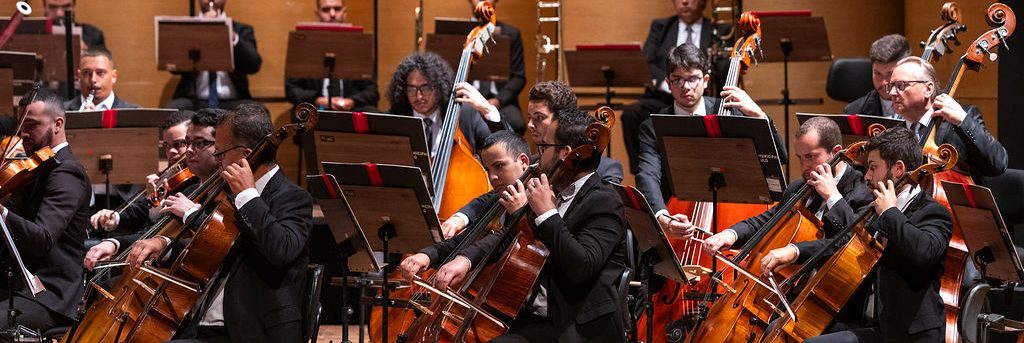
{"x":106,"y":104}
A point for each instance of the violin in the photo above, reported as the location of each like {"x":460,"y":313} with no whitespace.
{"x":673,"y":311}
{"x":457,"y":175}
{"x":491,"y":296}
{"x":832,"y":285}
{"x":17,"y":170}
{"x":150,"y":304}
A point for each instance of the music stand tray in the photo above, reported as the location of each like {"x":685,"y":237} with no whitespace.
{"x":740,"y":149}
{"x":308,"y":50}
{"x":587,"y":66}
{"x":342,"y":221}
{"x":854,"y":127}
{"x":24,"y":65}
{"x":383,"y":195}
{"x":651,"y":239}
{"x":51,"y":49}
{"x":96,"y":133}
{"x":807,"y":33}
{"x":358,"y":137}
{"x":988,"y":240}
{"x":189,"y":44}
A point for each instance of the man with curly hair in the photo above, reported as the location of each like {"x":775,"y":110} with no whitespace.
{"x":421,"y":86}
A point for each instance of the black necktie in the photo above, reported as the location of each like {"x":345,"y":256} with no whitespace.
{"x":428,"y":130}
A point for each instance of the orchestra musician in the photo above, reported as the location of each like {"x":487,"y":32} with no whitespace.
{"x":48,"y":221}
{"x":688,"y":25}
{"x":915,"y":93}
{"x":505,"y":156}
{"x":905,"y":306}
{"x":839,"y":194}
{"x":257,"y":298}
{"x":96,"y":79}
{"x":92,"y":36}
{"x":190,"y":139}
{"x":505,"y":95}
{"x":687,"y":77}
{"x":220,"y":89}
{"x":547,"y":100}
{"x":580,"y":221}
{"x":421,"y":86}
{"x":884,"y":54}
{"x":346,"y":95}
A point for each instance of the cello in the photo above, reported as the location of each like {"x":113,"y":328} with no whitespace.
{"x":492,"y":295}
{"x":673,"y":311}
{"x":842,"y":274}
{"x":457,"y":175}
{"x":744,"y":310}
{"x":1003,"y":21}
{"x":149,"y":304}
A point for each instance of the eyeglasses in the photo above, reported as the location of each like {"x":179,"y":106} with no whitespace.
{"x":199,"y":143}
{"x":426,"y":90}
{"x":541,"y":147}
{"x":219,"y":155}
{"x":901,"y":85}
{"x":685,"y":82}
{"x":179,"y":144}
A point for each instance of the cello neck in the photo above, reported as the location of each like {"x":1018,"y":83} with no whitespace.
{"x":450,"y":122}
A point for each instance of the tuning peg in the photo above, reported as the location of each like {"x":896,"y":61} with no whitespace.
{"x":993,"y":56}
{"x":1002,"y":33}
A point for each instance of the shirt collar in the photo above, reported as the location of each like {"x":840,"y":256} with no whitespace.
{"x":58,"y":147}
{"x":904,"y":197}
{"x":106,"y":104}
{"x":925,"y":120}
{"x":432,"y":116}
{"x":700,"y":110}
{"x":261,"y":183}
{"x":570,"y":192}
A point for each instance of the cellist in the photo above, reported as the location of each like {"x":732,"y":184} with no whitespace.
{"x":580,"y":221}
{"x":259,"y":298}
{"x":906,"y":306}
{"x":839,"y":194}
{"x":49,"y":220}
{"x":505,"y":156}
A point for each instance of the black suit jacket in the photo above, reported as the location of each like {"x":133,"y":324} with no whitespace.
{"x":363,"y":92}
{"x":652,"y":178}
{"x":75,"y":103}
{"x":263,"y":289}
{"x":587,"y":257}
{"x":870,"y":104}
{"x":247,"y":61}
{"x":910,"y":270}
{"x":661,"y":38}
{"x":508,"y":91}
{"x":92,"y":36}
{"x":49,"y":221}
{"x":856,"y":197}
{"x":980,"y":153}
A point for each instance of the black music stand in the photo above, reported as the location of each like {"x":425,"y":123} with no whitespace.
{"x":329,"y":51}
{"x":32,"y":283}
{"x":99,"y":139}
{"x":393,"y":199}
{"x":349,"y":238}
{"x":993,"y":253}
{"x":51,"y":53}
{"x":720,"y":159}
{"x":793,"y":36}
{"x":24,"y":66}
{"x":655,"y":251}
{"x":854,"y":127}
{"x":190,"y":44}
{"x":607,"y":66}
{"x":357,"y":137}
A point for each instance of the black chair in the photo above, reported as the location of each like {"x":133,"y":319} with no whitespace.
{"x":623,"y":301}
{"x":311,"y":306}
{"x":849,"y":79}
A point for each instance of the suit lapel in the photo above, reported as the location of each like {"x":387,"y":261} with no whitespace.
{"x":705,"y":34}
{"x":669,"y":40}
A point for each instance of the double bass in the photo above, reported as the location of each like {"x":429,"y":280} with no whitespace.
{"x":1003,"y":21}
{"x":675,"y":312}
{"x":150,"y":304}
{"x":491,"y":296}
{"x":457,"y":175}
{"x":832,"y":285}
